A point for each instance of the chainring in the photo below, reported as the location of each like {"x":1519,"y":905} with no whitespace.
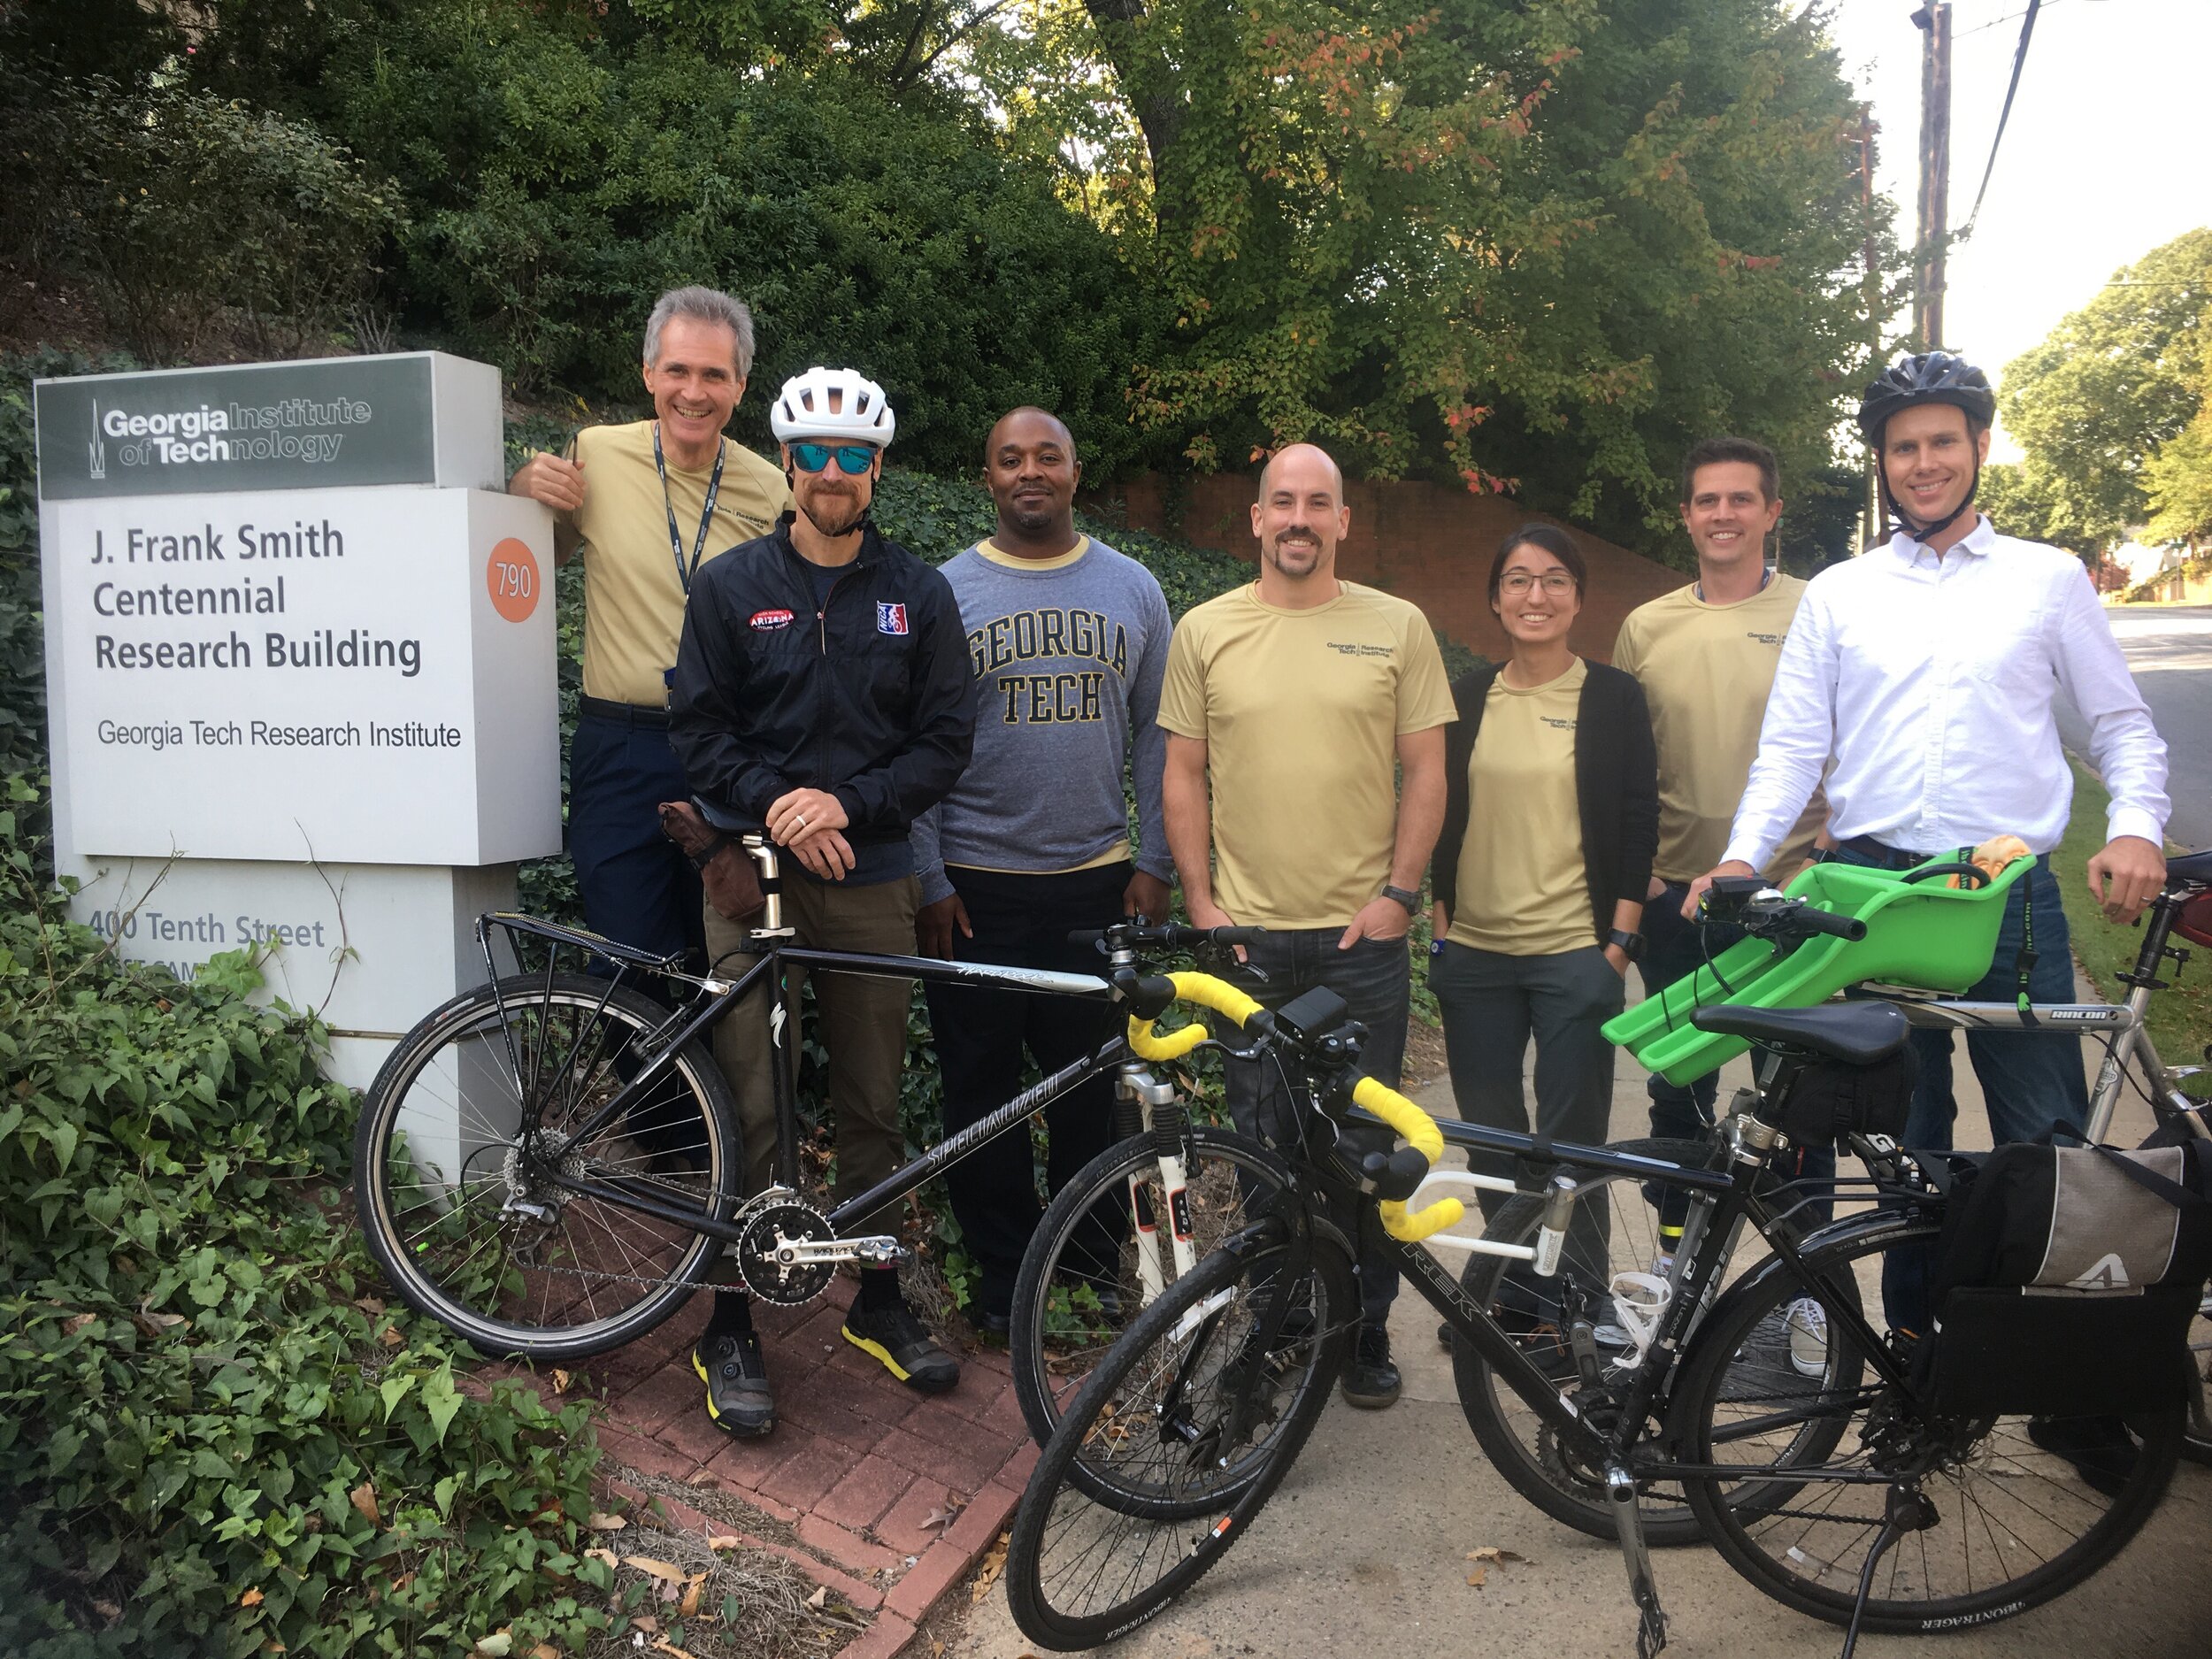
{"x":765,"y":1234}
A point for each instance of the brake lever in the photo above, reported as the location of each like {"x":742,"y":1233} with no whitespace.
{"x":1221,"y":960}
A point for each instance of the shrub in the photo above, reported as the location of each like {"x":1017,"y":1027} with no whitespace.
{"x":215,"y":1436}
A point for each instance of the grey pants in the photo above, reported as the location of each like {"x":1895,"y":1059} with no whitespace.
{"x":1492,"y":1004}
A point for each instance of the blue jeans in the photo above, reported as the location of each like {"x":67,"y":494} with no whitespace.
{"x":1375,"y":979}
{"x":2030,"y":1080}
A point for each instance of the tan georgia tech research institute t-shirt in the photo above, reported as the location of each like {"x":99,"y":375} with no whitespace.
{"x":634,"y":602}
{"x":1301,"y":711}
{"x":1524,"y":889}
{"x":1705,"y":670}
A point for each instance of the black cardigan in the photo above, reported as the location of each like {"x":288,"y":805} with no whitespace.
{"x":1617,"y":787}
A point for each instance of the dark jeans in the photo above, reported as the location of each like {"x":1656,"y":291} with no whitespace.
{"x":636,"y":886}
{"x":981,"y":1035}
{"x":1674,"y":948}
{"x":2030,"y":1080}
{"x":1492,"y":1004}
{"x":1374,"y":978}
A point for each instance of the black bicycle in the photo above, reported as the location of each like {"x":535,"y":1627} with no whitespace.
{"x":1806,"y":1469}
{"x":550,"y":1164}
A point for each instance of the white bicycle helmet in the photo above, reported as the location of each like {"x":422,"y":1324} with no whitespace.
{"x":861,"y":414}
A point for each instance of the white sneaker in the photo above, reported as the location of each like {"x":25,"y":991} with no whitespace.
{"x":1807,"y":1323}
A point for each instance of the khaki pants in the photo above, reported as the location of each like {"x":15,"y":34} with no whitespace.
{"x":862,"y":1027}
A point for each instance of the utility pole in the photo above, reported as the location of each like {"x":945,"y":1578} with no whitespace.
{"x":1874,"y":517}
{"x":1933,"y":20}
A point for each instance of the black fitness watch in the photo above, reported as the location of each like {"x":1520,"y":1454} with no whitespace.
{"x":1401,"y":896}
{"x":1632,"y":944}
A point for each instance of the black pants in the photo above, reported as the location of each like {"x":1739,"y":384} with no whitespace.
{"x":635,"y":886}
{"x":1022,"y":921}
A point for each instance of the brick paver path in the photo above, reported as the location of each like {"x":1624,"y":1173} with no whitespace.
{"x":862,"y":1469}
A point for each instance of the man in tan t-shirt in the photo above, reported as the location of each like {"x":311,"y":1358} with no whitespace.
{"x":1288,"y":703}
{"x":648,"y":503}
{"x":1706,"y":655}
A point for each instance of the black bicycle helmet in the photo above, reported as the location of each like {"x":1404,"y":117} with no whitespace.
{"x":1933,"y":377}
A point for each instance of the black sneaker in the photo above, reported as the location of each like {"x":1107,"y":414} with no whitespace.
{"x":895,"y":1336}
{"x":1371,"y":1381}
{"x":736,"y":1377}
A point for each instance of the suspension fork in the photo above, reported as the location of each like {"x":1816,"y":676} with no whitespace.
{"x":1148,"y":1106}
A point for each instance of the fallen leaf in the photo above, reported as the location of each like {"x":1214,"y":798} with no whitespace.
{"x":690,"y":1603}
{"x":994,"y":1563}
{"x":936,"y":1650}
{"x":77,"y":1322}
{"x":370,"y":1305}
{"x":560,"y":1382}
{"x":390,"y":1337}
{"x":659,"y":1568}
{"x":602,"y":1522}
{"x":671,"y":1649}
{"x":364,"y":1498}
{"x":607,"y":1555}
{"x":496,"y":1646}
{"x":1476,"y":1577}
{"x":820,"y":1596}
{"x":699,"y":1477}
{"x":545,"y":1650}
{"x":645,"y":1621}
{"x":725,"y":1540}
{"x":943,"y":1516}
{"x":1491,"y":1552}
{"x":252,"y":1598}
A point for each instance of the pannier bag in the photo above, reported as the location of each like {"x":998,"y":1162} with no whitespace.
{"x":1830,"y":1100}
{"x":2065,"y":1279}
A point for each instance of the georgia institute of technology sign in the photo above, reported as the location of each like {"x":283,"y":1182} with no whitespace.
{"x":290,"y":615}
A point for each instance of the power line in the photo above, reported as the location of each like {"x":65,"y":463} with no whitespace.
{"x":2019,"y":61}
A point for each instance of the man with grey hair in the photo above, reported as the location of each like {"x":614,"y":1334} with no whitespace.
{"x":648,"y":503}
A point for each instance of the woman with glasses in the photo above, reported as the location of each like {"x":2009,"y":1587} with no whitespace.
{"x":1538,"y":879}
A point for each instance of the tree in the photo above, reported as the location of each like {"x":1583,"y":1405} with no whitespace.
{"x":1489,"y":239}
{"x":2177,"y":480}
{"x":2115,"y":380}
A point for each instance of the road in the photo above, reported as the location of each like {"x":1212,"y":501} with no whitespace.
{"x":2170,"y":648}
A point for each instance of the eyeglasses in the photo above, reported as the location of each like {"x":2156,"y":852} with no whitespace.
{"x":855,"y":458}
{"x":1518,"y":582}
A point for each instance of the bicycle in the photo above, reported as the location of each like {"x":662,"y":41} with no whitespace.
{"x":1517,"y":1444}
{"x":548,"y":1164}
{"x":1177,"y":1439}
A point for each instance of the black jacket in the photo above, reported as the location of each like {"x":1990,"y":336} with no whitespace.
{"x":1617,"y":788}
{"x":868,"y":697}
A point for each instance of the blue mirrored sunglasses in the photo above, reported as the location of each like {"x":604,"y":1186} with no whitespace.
{"x":855,"y":458}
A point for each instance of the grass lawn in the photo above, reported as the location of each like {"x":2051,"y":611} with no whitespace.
{"x":2180,"y":1017}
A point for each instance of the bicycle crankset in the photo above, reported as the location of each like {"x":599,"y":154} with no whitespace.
{"x":787,"y":1252}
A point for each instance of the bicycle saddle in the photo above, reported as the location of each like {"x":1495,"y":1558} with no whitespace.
{"x":1857,"y":1033}
{"x":2190,"y":867}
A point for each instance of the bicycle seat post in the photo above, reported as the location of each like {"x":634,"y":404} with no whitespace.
{"x":762,"y":853}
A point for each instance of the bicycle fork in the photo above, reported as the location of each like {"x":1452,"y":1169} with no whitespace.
{"x":1150,"y":1102}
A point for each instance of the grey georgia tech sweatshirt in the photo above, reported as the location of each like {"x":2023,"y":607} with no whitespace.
{"x":1068,"y":661}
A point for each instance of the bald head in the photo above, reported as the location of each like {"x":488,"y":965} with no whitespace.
{"x":1302,"y":459}
{"x":1030,"y":468}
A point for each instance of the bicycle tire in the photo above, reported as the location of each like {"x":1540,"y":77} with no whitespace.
{"x":2196,"y":1437}
{"x":1513,"y":1439}
{"x":584,"y":1275}
{"x":1193,"y":1381}
{"x":1057,"y":1332}
{"x":1994,"y":1491}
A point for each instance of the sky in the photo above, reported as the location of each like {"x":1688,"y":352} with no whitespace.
{"x":2105,"y":158}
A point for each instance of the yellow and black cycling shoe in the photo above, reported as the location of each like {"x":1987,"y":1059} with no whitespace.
{"x":738,"y":1398}
{"x":896,"y":1337}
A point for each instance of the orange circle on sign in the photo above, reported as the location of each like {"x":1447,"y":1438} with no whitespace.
{"x":512,"y":574}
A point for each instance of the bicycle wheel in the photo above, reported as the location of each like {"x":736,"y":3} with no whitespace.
{"x":2015,"y":1524}
{"x":468,"y":1113}
{"x":2196,"y":1441}
{"x":1520,"y":1446}
{"x":1083,"y":1278}
{"x":1190,"y":1411}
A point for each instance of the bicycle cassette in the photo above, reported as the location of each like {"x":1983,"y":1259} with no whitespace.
{"x":786,"y":1251}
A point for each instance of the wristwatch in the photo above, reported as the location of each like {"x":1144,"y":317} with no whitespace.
{"x":1632,"y":944}
{"x":1401,"y":896}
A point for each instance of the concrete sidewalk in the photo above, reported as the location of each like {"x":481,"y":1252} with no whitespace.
{"x":1362,"y":1550}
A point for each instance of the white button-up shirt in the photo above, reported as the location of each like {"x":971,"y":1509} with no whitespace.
{"x":1923,"y":687}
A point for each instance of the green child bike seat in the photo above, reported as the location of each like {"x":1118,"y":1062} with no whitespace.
{"x":1919,"y":933}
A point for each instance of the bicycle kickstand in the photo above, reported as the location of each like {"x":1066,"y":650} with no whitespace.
{"x":1651,"y":1618}
{"x":1907,"y":1510}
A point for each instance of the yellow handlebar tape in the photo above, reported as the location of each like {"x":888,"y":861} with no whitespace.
{"x":1421,"y":1134}
{"x":1207,"y":992}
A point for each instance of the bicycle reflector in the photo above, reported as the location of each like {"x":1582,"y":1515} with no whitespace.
{"x":2195,"y":921}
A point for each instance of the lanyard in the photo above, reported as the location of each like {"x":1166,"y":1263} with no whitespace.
{"x":706,"y":516}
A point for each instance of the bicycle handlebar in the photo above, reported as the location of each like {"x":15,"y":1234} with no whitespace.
{"x":1166,"y":935}
{"x":1419,"y":1128}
